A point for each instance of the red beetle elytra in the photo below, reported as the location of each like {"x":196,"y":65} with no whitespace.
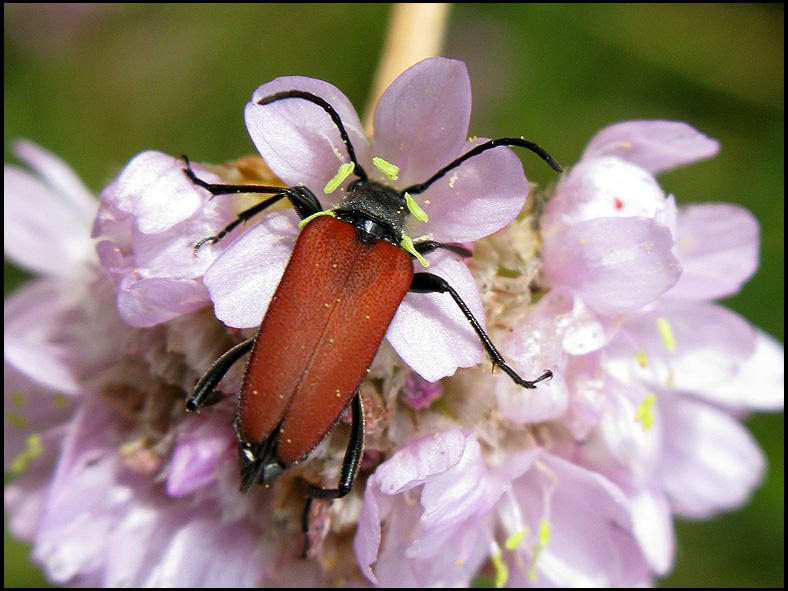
{"x":349,"y":272}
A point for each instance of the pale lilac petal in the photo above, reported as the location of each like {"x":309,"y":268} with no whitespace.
{"x":430,"y":332}
{"x":760,"y":383}
{"x":155,"y":190}
{"x":534,"y":345}
{"x":189,"y":559}
{"x":50,"y":202}
{"x":710,"y":462}
{"x":632,"y":441}
{"x":148,"y":302}
{"x":717,"y":246}
{"x":589,"y":520}
{"x":31,"y":316}
{"x":655,"y":145}
{"x":243,"y":279}
{"x":653,"y":528}
{"x":705,"y":350}
{"x":59,"y":176}
{"x":79,"y":519}
{"x":422,"y":118}
{"x":198,"y":453}
{"x":452,"y":497}
{"x":613,"y":264}
{"x":297,"y":138}
{"x":480,"y":197}
{"x":441,"y":462}
{"x":606,"y":188}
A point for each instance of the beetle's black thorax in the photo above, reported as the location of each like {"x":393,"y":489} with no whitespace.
{"x":377,"y":211}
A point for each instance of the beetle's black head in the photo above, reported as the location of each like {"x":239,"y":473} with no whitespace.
{"x":375,"y":209}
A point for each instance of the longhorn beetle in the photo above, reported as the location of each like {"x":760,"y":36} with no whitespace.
{"x":350,"y":270}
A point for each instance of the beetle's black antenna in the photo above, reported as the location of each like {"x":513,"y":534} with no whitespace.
{"x":504,"y":141}
{"x":358,"y":170}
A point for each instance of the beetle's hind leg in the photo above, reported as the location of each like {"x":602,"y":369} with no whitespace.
{"x":350,"y":467}
{"x":353,"y":455}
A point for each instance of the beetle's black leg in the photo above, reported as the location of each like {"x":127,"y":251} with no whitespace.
{"x":353,"y":455}
{"x":305,"y":525}
{"x":430,"y":245}
{"x":430,"y":283}
{"x":489,"y":145}
{"x":202,"y":394}
{"x":302,"y":199}
{"x":320,"y":102}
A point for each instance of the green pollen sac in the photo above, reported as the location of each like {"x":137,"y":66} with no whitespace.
{"x":666,"y":332}
{"x":414,"y":208}
{"x":407,"y":245}
{"x":501,"y":569}
{"x":645,"y":412}
{"x":34,"y":448}
{"x":344,"y":172}
{"x":308,"y":219}
{"x":387,"y":168}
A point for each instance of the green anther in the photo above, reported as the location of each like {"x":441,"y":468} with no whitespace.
{"x":501,"y":570}
{"x":344,"y":172}
{"x":641,"y":358}
{"x":645,"y":411}
{"x":663,"y":326}
{"x":414,"y":208}
{"x":35,"y":447}
{"x":407,"y":245}
{"x":387,"y":168}
{"x":515,"y":539}
{"x":544,"y":533}
{"x":308,"y":219}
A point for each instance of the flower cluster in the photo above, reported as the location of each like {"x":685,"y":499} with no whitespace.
{"x":574,"y":483}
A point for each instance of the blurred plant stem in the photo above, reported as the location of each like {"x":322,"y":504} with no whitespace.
{"x":416,"y":32}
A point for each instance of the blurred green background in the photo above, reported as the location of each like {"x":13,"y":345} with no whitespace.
{"x":96,"y":84}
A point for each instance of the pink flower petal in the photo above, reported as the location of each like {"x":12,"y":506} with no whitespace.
{"x":760,"y":383}
{"x":655,"y":145}
{"x":243,"y":279}
{"x":613,"y":264}
{"x":148,"y":302}
{"x":717,"y":246}
{"x":154,"y":189}
{"x":710,"y":462}
{"x":33,"y":317}
{"x":430,"y":332}
{"x":297,"y":138}
{"x":52,"y":202}
{"x":481,"y":196}
{"x":422,"y":118}
{"x":605,"y":188}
